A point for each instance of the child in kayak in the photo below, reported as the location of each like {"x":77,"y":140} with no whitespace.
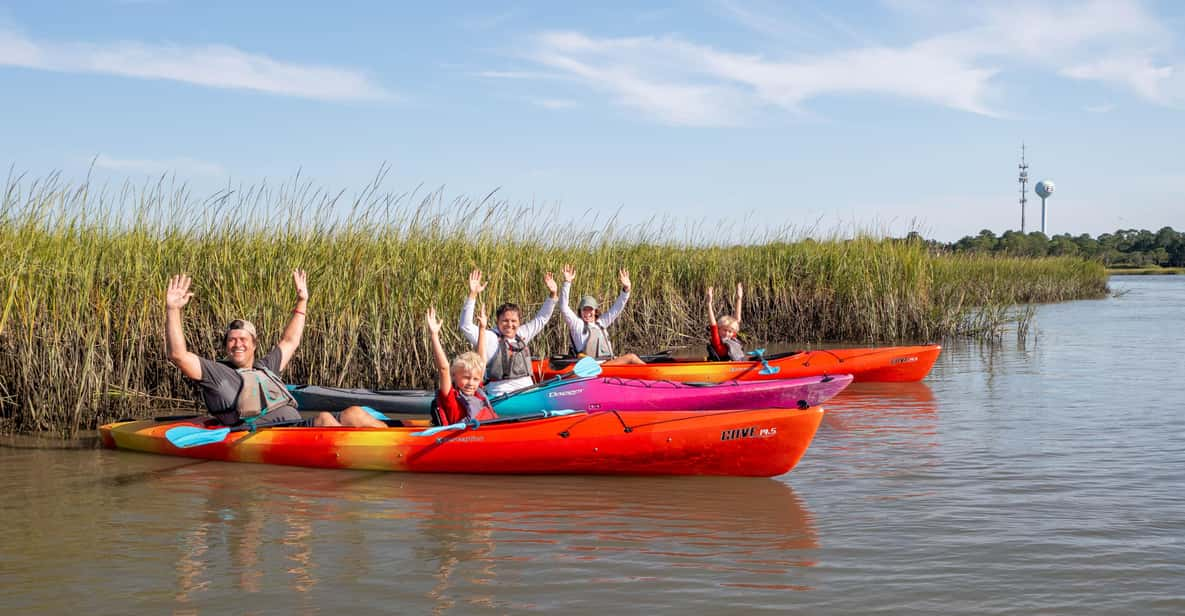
{"x":458,"y":389}
{"x":507,"y":356}
{"x":241,"y":387}
{"x":588,"y":327}
{"x":723,"y":344}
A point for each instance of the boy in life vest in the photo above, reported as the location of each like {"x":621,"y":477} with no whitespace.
{"x":588,"y":327}
{"x":241,"y":387}
{"x":507,"y":356}
{"x":723,"y":344}
{"x":458,"y":390}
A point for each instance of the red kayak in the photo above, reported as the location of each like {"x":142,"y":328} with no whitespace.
{"x":762,"y":443}
{"x":883,"y":364}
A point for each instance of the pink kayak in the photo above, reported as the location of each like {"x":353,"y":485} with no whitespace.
{"x":602,"y":394}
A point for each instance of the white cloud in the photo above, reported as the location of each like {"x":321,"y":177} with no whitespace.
{"x":184,"y":167}
{"x":682,"y":82}
{"x":218,"y":66}
{"x":1139,"y":74}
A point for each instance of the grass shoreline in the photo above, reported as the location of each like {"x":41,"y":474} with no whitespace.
{"x":82,"y":315}
{"x":1145,"y":271}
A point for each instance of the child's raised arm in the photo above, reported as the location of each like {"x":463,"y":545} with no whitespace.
{"x":711,"y":310}
{"x":444,"y":376}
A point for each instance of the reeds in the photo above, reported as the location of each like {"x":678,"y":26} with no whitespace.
{"x":83,"y":271}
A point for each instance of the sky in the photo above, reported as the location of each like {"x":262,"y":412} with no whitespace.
{"x":747,"y":115}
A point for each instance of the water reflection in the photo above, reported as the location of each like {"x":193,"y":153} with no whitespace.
{"x":476,"y":537}
{"x":907,"y":410}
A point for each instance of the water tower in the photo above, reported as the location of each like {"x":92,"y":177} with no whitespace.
{"x":1044,"y":189}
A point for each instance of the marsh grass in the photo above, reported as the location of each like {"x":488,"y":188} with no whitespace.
{"x":83,"y":271}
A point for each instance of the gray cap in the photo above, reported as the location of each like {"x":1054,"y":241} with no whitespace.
{"x":242,"y":324}
{"x":587,"y":301}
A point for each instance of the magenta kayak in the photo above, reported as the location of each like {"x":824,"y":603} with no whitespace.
{"x":618,"y":394}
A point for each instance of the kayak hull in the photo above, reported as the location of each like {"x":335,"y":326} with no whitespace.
{"x":599,"y":394}
{"x":761,"y":443}
{"x":884,"y":364}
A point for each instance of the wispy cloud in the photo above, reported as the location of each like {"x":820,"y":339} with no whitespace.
{"x":218,"y":66}
{"x":553,"y":103}
{"x":1103,"y":108}
{"x":518,"y":75}
{"x":185,"y":167}
{"x":679,"y":81}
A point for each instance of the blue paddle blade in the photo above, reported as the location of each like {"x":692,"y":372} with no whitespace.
{"x":373,"y":413}
{"x":586,"y":367}
{"x":768,"y":369}
{"x":191,"y":436}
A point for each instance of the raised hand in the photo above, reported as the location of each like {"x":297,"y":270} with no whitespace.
{"x":569,"y":273}
{"x":711,"y":292}
{"x":549,"y":280}
{"x":624,"y":276}
{"x":483,"y":320}
{"x":475,"y":285}
{"x":740,"y":290}
{"x":301,"y":280}
{"x":432,"y":322}
{"x":178,"y":294}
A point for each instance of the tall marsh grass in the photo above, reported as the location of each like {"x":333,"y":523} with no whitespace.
{"x":83,"y":272}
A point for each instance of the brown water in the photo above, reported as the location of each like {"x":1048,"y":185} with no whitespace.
{"x":1044,"y":478}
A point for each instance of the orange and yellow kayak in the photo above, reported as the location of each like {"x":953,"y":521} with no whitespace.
{"x":883,"y":364}
{"x":761,"y":443}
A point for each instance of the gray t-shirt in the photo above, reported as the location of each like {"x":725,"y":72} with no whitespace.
{"x":221,"y":383}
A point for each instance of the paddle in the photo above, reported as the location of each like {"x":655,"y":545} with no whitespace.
{"x":765,"y":367}
{"x":586,"y":367}
{"x":185,"y":437}
{"x":462,"y":425}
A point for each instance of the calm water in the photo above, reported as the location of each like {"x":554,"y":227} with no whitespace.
{"x":1044,"y":478}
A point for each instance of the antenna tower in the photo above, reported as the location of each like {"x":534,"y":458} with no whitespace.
{"x":1024,"y":180}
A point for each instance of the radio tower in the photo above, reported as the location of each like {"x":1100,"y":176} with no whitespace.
{"x":1024,"y":180}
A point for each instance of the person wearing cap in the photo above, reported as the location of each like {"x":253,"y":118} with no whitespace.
{"x":507,"y":355}
{"x":588,"y":327}
{"x":241,"y":387}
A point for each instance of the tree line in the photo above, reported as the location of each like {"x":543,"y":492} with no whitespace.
{"x":1123,"y":248}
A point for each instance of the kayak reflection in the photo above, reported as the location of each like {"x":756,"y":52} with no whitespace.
{"x":881,"y":407}
{"x":469,"y":541}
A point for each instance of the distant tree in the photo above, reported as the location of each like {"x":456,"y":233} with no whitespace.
{"x":1124,"y":247}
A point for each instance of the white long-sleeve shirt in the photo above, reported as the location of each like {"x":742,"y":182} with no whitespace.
{"x":526,"y":331}
{"x":576,"y":324}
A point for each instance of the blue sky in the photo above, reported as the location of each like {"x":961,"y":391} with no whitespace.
{"x":886,"y":115}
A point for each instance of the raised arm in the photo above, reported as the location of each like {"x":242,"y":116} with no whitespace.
{"x":566,"y":290}
{"x":531,"y":328}
{"x":176,"y":297}
{"x":614,"y":311}
{"x":471,"y":332}
{"x":483,"y":321}
{"x":444,"y":378}
{"x":740,"y":298}
{"x":711,"y":310}
{"x":294,"y":331}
